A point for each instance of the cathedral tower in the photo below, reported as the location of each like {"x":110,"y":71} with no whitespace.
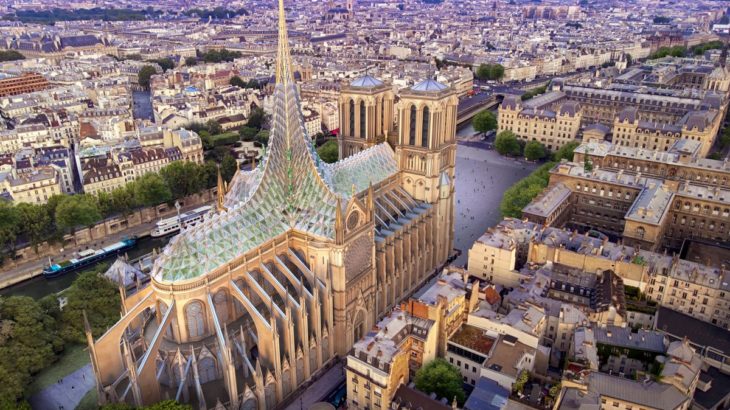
{"x":426,"y":151}
{"x":366,"y":115}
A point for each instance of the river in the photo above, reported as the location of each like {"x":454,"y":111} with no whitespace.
{"x":40,"y":286}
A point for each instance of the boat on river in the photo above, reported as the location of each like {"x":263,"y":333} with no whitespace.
{"x":88,"y":257}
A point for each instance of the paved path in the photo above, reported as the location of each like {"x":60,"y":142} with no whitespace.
{"x":319,"y":389}
{"x":67,"y":394}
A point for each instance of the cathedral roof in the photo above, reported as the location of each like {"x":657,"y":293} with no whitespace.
{"x":429,"y":85}
{"x":366,"y":81}
{"x":291,"y":189}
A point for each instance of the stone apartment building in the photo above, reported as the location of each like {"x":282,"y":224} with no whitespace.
{"x":639,"y":116}
{"x":34,"y":187}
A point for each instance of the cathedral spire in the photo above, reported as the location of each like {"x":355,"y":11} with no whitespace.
{"x":221,"y":193}
{"x":283,"y":58}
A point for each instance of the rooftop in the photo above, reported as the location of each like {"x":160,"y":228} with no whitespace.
{"x":473,"y":338}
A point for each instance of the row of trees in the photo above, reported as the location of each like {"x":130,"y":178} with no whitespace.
{"x":217,"y":56}
{"x":238,"y":82}
{"x":217,"y":13}
{"x":490,"y":71}
{"x":53,"y":15}
{"x":34,"y":224}
{"x":524,"y":191}
{"x":533,"y":92}
{"x":10,"y":55}
{"x":508,"y":144}
{"x":34,"y":333}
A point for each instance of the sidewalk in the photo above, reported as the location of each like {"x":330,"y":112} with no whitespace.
{"x":319,"y":389}
{"x":66,"y":394}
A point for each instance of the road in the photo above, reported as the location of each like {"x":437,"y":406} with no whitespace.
{"x":32,"y":269}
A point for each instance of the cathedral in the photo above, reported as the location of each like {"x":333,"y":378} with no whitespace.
{"x":301,"y":259}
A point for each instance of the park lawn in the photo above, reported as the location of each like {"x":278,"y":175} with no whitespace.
{"x":88,"y":402}
{"x":74,"y":357}
{"x":224,"y":138}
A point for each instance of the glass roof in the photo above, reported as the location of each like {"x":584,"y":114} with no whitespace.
{"x":290,"y":189}
{"x":429,"y":85}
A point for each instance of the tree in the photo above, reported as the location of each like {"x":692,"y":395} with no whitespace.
{"x":237,"y":82}
{"x":151,"y":189}
{"x":144,"y":76}
{"x":35,"y":223}
{"x":123,"y":200}
{"x":484,"y":121}
{"x":522,"y":379}
{"x":29,"y":342}
{"x":524,"y":191}
{"x":191,"y":61}
{"x":165,"y":63}
{"x":209,"y":174}
{"x":229,"y":165}
{"x":490,"y":71}
{"x":76,"y":210}
{"x":442,"y":378}
{"x":534,"y":151}
{"x":329,"y":152}
{"x":183,"y":178}
{"x":565,"y":152}
{"x":99,"y":297}
{"x":9,"y":224}
{"x":506,"y":144}
{"x":247,"y":133}
{"x":11,"y":55}
{"x":263,"y":137}
{"x":256,"y":118}
{"x":214,"y":128}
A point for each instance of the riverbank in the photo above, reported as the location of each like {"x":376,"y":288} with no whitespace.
{"x":24,"y":279}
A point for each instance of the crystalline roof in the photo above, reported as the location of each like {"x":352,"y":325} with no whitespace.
{"x":366,"y":81}
{"x":429,"y":85}
{"x":291,"y":189}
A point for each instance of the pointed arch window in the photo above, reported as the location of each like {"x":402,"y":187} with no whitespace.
{"x":425,"y":126}
{"x":412,"y":128}
{"x":352,"y":118}
{"x":362,"y":119}
{"x":195,"y":319}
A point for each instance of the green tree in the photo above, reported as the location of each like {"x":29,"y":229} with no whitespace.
{"x":490,"y":71}
{"x":29,"y":342}
{"x":484,"y":121}
{"x":534,"y":151}
{"x":263,"y":137}
{"x":214,"y":128}
{"x":165,"y":63}
{"x":123,"y":200}
{"x":229,"y":165}
{"x":516,"y":197}
{"x":151,"y":189}
{"x":191,"y":61}
{"x":256,"y":118}
{"x":329,"y":152}
{"x":247,"y":133}
{"x":11,"y":55}
{"x":99,"y":297}
{"x":522,"y":379}
{"x":144,"y":76}
{"x":237,"y":82}
{"x":9,"y":224}
{"x":506,"y":143}
{"x":76,"y":210}
{"x":183,"y":178}
{"x":35,"y":223}
{"x":565,"y":152}
{"x":442,"y":378}
{"x":209,"y":174}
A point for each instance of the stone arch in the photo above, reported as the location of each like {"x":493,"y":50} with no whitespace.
{"x":351,"y":119}
{"x":358,"y":324}
{"x":412,"y":125}
{"x":426,"y":122}
{"x":195,"y":323}
{"x":363,"y":119}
